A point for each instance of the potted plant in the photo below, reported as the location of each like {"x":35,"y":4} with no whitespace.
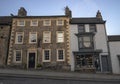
{"x":39,"y":66}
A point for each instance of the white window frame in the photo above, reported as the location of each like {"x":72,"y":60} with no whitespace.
{"x":30,"y":34}
{"x":58,"y":24}
{"x":16,"y":39}
{"x":43,"y":58}
{"x":58,"y":55}
{"x":32,"y":23}
{"x":45,"y":23}
{"x":15,"y":56}
{"x":46,"y":37}
{"x":59,"y":37}
{"x":19,"y":24}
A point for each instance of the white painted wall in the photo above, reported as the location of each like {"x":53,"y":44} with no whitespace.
{"x":101,"y":38}
{"x":73,"y":43}
{"x":114,"y":51}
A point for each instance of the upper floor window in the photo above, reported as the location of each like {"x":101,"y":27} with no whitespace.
{"x":34,"y":23}
{"x":46,"y":55}
{"x":33,"y":37}
{"x":19,"y":38}
{"x":47,"y":22}
{"x":18,"y":56}
{"x":81,"y":28}
{"x":60,"y":55}
{"x":92,"y":28}
{"x":86,"y":28}
{"x":21,"y":23}
{"x":46,"y":37}
{"x":85,"y":42}
{"x":60,"y":22}
{"x":60,"y":36}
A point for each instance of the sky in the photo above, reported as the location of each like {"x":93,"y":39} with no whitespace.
{"x":110,"y":9}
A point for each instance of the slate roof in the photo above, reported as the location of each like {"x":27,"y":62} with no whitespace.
{"x":5,"y":20}
{"x":89,"y":20}
{"x":114,"y":38}
{"x":39,"y":16}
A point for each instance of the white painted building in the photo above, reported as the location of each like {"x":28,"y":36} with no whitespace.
{"x":114,"y":45}
{"x":89,"y":47}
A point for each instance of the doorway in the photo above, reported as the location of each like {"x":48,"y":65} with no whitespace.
{"x":31,"y":60}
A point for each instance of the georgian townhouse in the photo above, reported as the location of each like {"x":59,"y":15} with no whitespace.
{"x":89,"y":44}
{"x":40,"y":41}
{"x":5,"y":26}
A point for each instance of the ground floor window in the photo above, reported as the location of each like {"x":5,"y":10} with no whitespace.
{"x":84,"y":61}
{"x":46,"y":55}
{"x":60,"y":55}
{"x":18,"y":55}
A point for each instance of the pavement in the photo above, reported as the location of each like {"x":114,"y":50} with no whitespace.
{"x":57,"y":75}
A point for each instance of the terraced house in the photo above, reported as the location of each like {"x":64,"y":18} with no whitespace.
{"x":5,"y":26}
{"x":91,"y":52}
{"x":59,"y":42}
{"x":40,"y":41}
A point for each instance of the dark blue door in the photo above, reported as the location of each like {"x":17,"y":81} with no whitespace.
{"x":31,"y":60}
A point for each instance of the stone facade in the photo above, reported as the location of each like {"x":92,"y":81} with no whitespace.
{"x":5,"y":26}
{"x":58,"y":43}
{"x":37,"y":49}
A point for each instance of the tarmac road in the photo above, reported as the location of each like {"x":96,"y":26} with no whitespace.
{"x":30,"y":79}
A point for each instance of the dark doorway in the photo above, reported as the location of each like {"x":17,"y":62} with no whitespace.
{"x":105,"y":63}
{"x":31,"y":60}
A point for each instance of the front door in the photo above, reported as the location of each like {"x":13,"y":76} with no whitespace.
{"x":31,"y":61}
{"x":105,"y":63}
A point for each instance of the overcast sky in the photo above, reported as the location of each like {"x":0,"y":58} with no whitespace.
{"x":110,"y":9}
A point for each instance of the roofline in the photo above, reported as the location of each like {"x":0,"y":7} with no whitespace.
{"x":38,"y":16}
{"x":113,"y":40}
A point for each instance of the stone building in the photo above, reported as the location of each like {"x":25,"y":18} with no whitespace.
{"x":40,"y":41}
{"x":5,"y":26}
{"x":114,"y":46}
{"x":89,"y":44}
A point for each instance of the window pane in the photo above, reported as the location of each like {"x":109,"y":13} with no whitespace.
{"x":46,"y":55}
{"x":87,"y":44}
{"x":60,"y":54}
{"x":60,"y":22}
{"x":19,"y":38}
{"x":21,"y":23}
{"x":47,"y":37}
{"x":81,"y":28}
{"x":34,"y":23}
{"x":86,"y":38}
{"x":60,"y":37}
{"x":92,"y":28}
{"x":18,"y":55}
{"x":33,"y":37}
{"x":47,"y":22}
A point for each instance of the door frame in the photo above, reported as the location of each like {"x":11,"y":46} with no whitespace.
{"x":31,"y":51}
